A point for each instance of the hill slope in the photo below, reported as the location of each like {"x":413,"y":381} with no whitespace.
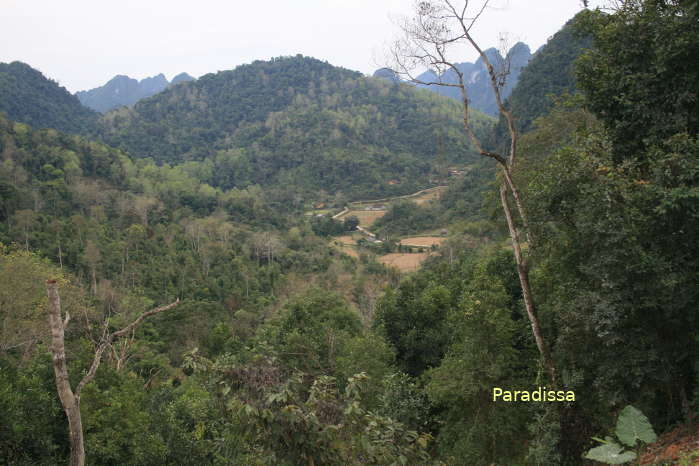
{"x":300,"y":122}
{"x":29,"y":97}
{"x":549,"y":73}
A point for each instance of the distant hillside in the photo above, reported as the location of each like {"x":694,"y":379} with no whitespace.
{"x":298,"y":121}
{"x":122,"y":90}
{"x":29,"y":97}
{"x":387,"y":74}
{"x":181,"y":78}
{"x":549,"y":73}
{"x":476,"y":76}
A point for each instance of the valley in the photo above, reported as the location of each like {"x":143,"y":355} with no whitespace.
{"x":367,"y":212}
{"x":290,"y":262}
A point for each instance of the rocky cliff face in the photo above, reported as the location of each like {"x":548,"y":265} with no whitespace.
{"x":476,"y":77}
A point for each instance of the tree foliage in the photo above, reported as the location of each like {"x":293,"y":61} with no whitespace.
{"x":29,"y":97}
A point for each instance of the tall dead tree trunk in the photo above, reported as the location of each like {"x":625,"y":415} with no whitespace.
{"x":438,"y":25}
{"x":71,"y":403}
{"x":70,"y":400}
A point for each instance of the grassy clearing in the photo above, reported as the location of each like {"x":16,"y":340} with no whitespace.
{"x":349,"y":250}
{"x":346,"y":239}
{"x":404,"y":262}
{"x":366,"y":217}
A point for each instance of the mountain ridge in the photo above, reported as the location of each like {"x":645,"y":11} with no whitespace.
{"x":476,"y":77}
{"x":123,"y":90}
{"x":27,"y":96}
{"x":297,"y":121}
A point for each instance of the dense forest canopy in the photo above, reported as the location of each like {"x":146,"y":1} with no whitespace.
{"x":292,"y":121}
{"x":289,"y":341}
{"x":29,"y":97}
{"x":299,"y":121}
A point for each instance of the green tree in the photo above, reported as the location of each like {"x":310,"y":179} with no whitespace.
{"x":413,"y":319}
{"x":645,"y":93}
{"x":350,"y":223}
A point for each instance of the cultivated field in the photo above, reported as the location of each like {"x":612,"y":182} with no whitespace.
{"x":366,"y":217}
{"x":346,"y":239}
{"x":423,"y":241}
{"x":428,"y":196}
{"x":404,"y":262}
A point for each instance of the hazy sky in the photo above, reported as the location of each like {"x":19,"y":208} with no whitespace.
{"x":83,"y":43}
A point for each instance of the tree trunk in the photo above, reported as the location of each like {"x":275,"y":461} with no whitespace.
{"x":75,"y":426}
{"x":60,"y":255}
{"x":69,"y":401}
{"x":523,"y":273}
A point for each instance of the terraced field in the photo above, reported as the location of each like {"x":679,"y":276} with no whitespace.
{"x":423,"y":241}
{"x":363,"y":210}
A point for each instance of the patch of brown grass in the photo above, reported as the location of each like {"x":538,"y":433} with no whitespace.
{"x":404,"y":262}
{"x":350,"y":251}
{"x":346,"y":239}
{"x":366,"y":217}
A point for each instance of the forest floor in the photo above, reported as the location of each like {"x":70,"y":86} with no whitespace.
{"x":679,"y":446}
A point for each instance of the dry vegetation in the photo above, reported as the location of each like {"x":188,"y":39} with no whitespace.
{"x":366,"y":217}
{"x":346,"y":239}
{"x":349,"y":250}
{"x":404,"y":262}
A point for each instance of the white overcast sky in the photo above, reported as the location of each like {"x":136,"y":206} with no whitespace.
{"x":84,"y":43}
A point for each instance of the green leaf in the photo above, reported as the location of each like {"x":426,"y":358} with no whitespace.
{"x":610,"y":453}
{"x":633,"y":425}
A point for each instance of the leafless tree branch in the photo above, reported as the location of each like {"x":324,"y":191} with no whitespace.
{"x":427,"y":39}
{"x":71,"y":399}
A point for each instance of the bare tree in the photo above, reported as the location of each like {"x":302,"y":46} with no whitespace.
{"x":93,"y":257}
{"x":26,"y":219}
{"x":437,"y":27}
{"x":71,"y":399}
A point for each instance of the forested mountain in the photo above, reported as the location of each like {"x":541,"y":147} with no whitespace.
{"x":276,"y":348}
{"x":28,"y":96}
{"x":182,"y":78}
{"x":295,"y":122}
{"x":387,"y":74}
{"x":122,"y":90}
{"x":549,"y":74}
{"x":476,"y":77}
{"x":301,"y":122}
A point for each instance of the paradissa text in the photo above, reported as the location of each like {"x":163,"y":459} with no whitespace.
{"x":541,"y":394}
